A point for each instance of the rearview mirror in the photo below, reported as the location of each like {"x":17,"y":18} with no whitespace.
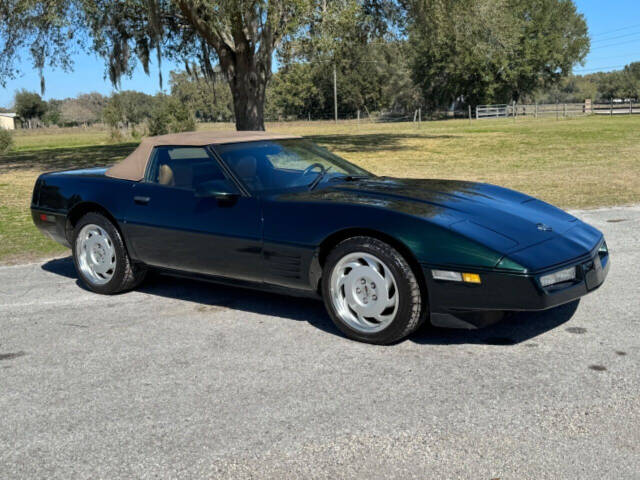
{"x":220,"y":189}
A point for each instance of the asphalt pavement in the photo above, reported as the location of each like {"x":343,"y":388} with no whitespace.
{"x":182,"y":379}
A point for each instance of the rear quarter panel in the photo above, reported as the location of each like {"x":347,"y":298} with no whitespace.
{"x":58,"y":194}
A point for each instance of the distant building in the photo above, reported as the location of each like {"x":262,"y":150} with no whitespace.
{"x":9,"y":121}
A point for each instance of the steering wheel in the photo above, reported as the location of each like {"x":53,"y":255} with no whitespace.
{"x":311,"y":167}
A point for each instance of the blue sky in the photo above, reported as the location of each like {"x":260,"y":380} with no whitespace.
{"x":614,"y":26}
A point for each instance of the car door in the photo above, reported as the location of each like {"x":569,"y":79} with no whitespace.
{"x":170,"y":224}
{"x":273,"y":170}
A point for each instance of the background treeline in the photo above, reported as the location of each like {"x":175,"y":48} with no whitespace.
{"x":370,"y":57}
{"x":600,"y":87}
{"x":298,"y":90}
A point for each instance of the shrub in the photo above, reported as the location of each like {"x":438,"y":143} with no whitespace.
{"x":115,"y":135}
{"x":159,"y":121}
{"x":6,"y":140}
{"x":170,"y":116}
{"x":182,"y":119}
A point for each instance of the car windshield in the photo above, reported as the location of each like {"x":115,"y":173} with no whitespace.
{"x":283,"y":164}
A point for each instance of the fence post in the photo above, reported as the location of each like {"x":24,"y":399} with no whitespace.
{"x":476,"y":112}
{"x":611,"y":107}
{"x":557,"y":112}
{"x":419,"y":116}
{"x":469,"y":114}
{"x":564,"y":112}
{"x":536,"y":114}
{"x":358,"y":116}
{"x":630,"y":107}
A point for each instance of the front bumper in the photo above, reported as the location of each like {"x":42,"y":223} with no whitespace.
{"x":462,"y":305}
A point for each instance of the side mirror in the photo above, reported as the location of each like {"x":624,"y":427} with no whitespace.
{"x":220,"y":189}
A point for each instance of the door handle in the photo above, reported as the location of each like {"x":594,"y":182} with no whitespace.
{"x":141,"y":200}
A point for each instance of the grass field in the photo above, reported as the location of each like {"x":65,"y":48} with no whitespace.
{"x":580,"y":162}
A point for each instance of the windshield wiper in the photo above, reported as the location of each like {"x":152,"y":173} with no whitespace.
{"x":320,"y":176}
{"x":351,"y":178}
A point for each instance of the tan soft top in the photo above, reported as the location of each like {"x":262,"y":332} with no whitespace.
{"x":134,"y":166}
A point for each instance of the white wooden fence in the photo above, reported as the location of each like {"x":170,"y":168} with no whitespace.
{"x":557,"y":110}
{"x":492,"y":111}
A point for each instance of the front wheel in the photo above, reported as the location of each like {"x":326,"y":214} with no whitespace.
{"x":100,"y":256}
{"x":370,"y":291}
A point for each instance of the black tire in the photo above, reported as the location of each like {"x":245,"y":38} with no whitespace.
{"x":126,"y":274}
{"x":412,"y":309}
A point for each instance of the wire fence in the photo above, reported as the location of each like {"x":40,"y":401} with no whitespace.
{"x":417,"y":115}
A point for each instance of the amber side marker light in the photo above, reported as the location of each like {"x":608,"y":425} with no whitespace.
{"x":456,"y":276}
{"x":471,"y":278}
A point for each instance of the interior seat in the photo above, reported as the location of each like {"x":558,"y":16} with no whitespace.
{"x":165,"y":176}
{"x":247,"y":169}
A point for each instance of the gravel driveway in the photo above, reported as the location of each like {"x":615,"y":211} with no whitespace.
{"x":182,"y":379}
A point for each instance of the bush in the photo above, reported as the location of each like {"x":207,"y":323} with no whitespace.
{"x":159,"y":121}
{"x":171,"y":116}
{"x":115,"y":135}
{"x":6,"y":140}
{"x":182,"y":119}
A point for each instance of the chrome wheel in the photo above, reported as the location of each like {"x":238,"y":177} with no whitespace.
{"x":95,"y":254}
{"x":363,"y":292}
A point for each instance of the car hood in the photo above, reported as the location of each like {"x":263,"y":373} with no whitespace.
{"x":500,"y":218}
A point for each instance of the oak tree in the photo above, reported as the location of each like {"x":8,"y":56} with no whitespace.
{"x":239,"y":35}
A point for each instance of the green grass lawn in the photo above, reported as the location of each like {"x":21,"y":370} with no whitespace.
{"x":580,"y":162}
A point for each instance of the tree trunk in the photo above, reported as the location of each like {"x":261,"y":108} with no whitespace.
{"x":245,"y":54}
{"x":248,"y":85}
{"x":248,"y":106}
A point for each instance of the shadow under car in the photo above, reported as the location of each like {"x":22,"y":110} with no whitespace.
{"x":517,"y":327}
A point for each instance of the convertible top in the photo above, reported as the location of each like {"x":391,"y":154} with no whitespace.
{"x":134,"y":166}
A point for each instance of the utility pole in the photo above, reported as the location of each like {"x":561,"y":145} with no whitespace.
{"x":335,"y":93}
{"x":335,"y":75}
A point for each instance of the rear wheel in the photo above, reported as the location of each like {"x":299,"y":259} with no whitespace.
{"x":371,"y":292}
{"x":100,"y":257}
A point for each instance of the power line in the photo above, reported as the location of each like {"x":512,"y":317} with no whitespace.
{"x":609,"y":57}
{"x":584,"y":70}
{"x":616,"y":44}
{"x":615,"y":38}
{"x":615,"y":30}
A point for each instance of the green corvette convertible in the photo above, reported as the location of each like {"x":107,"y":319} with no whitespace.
{"x":278,"y":212}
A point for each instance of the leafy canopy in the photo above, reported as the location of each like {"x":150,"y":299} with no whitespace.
{"x":239,"y":35}
{"x":29,"y":105}
{"x":492,"y":51}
